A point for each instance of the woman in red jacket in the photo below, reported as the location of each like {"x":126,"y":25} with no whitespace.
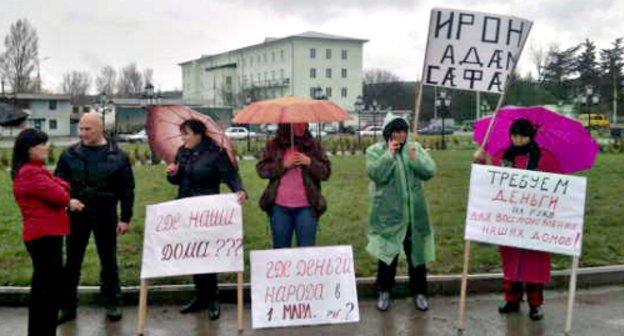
{"x":524,"y":270}
{"x":43,"y":200}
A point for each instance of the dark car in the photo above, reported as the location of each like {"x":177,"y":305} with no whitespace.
{"x":436,"y":130}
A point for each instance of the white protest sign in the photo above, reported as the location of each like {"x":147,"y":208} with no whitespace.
{"x":303,"y":286}
{"x":472,"y":50}
{"x":526,"y":209}
{"x":193,"y":235}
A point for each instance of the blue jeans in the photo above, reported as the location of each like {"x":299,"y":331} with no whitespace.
{"x":285,"y":221}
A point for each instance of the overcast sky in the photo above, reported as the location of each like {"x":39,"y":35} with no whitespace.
{"x":86,"y":35}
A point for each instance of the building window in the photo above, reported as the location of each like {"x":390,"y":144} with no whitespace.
{"x":344,"y":54}
{"x":258,"y":60}
{"x":265,"y":76}
{"x":264,"y":57}
{"x":273,"y":56}
{"x":251,"y":61}
{"x":328,"y":73}
{"x":53,"y":104}
{"x":328,"y":92}
{"x":313,"y":91}
{"x":312,"y":52}
{"x":228,"y":80}
{"x":259,"y":75}
{"x":343,"y":92}
{"x":282,"y":73}
{"x":272,"y":74}
{"x":53,"y":124}
{"x":76,"y":109}
{"x":344,"y":73}
{"x":86,"y":109}
{"x":282,"y":54}
{"x":312,"y":72}
{"x":328,"y":53}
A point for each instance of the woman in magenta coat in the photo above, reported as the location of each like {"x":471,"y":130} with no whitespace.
{"x":43,"y":200}
{"x":524,"y":270}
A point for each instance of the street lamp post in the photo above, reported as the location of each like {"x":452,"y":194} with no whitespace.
{"x":374,"y":106}
{"x":587,"y":98}
{"x":443,"y":101}
{"x":358,"y":107}
{"x":103,"y":107}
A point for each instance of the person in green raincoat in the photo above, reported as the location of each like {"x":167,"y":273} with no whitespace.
{"x":399,"y":219}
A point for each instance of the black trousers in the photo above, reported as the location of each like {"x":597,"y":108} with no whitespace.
{"x":47,"y":258}
{"x":105,"y":234}
{"x":417,"y":274}
{"x":206,"y":286}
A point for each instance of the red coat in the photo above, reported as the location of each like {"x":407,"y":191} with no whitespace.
{"x":528,"y":265}
{"x":43,"y":199}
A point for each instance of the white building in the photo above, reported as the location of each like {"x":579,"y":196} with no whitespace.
{"x":305,"y":65}
{"x":47,"y":112}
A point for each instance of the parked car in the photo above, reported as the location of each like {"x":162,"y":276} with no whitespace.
{"x":238,"y":133}
{"x":436,"y":130}
{"x":371,"y":131}
{"x":138,"y":137}
{"x":330,"y":128}
{"x":597,"y":119}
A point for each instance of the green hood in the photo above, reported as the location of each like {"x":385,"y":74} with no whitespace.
{"x":390,"y":117}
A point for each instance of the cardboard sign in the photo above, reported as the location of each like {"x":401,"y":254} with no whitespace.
{"x":472,"y":50}
{"x":526,"y":209}
{"x":303,"y":286}
{"x":193,"y":235}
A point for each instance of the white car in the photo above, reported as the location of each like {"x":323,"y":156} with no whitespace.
{"x":139,"y":137}
{"x":239,"y":133}
{"x":371,"y":131}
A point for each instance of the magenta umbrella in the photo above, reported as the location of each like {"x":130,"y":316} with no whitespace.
{"x":566,"y":138}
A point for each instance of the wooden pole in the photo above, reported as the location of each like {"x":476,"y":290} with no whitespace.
{"x":571,"y":294}
{"x":464,"y":287}
{"x":419,"y":98}
{"x":142,"y":307}
{"x":240,"y":303}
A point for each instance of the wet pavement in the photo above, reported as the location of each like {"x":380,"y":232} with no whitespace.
{"x":598,"y":312}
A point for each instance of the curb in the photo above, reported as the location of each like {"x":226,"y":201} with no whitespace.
{"x":448,"y":285}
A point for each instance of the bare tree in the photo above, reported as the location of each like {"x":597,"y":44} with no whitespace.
{"x":148,"y":76}
{"x":376,"y":76}
{"x":20,"y":58}
{"x":130,"y":81}
{"x":76,"y":84}
{"x":106,"y":80}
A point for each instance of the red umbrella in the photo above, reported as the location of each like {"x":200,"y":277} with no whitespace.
{"x":291,"y":110}
{"x":163,"y":130}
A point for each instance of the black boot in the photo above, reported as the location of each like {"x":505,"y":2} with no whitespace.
{"x":509,"y":307}
{"x":383,"y":302}
{"x":66,"y":314}
{"x":113,"y":313}
{"x":214,"y":309}
{"x":536,"y":313}
{"x":194,"y":306}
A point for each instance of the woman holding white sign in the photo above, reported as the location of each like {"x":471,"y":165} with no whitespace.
{"x":524,"y":270}
{"x":199,"y":169}
{"x":399,"y":219}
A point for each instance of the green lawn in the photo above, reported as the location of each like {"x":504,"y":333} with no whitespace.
{"x":346,"y":220}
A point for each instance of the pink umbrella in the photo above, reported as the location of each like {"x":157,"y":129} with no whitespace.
{"x":163,"y":130}
{"x":566,"y":138}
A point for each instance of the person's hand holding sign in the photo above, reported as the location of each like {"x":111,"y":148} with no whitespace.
{"x":412,"y":152}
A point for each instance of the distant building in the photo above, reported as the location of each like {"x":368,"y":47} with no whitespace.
{"x":310,"y":64}
{"x":47,"y":112}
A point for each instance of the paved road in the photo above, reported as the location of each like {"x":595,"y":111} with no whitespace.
{"x":598,"y":312}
